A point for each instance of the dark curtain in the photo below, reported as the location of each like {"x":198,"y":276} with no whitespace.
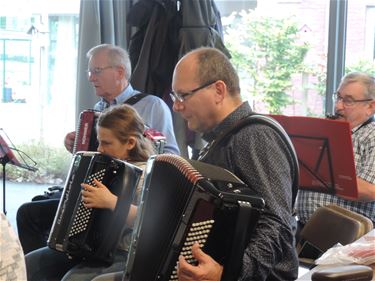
{"x":153,"y":49}
{"x":201,"y":26}
{"x":166,"y":30}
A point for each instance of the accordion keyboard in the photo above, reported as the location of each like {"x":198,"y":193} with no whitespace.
{"x":198,"y":233}
{"x":83,"y":214}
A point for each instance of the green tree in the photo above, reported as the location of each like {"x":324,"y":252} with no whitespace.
{"x":52,"y":163}
{"x":362,"y":65}
{"x":269,"y":52}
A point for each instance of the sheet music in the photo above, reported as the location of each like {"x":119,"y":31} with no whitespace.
{"x":325,"y":154}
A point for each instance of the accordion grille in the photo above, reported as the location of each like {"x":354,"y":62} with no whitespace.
{"x":83,"y":214}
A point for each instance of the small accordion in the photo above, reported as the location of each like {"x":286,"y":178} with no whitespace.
{"x":86,"y":137}
{"x":93,"y":232}
{"x":187,"y":201}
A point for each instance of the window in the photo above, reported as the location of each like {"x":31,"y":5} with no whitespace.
{"x":281,"y":50}
{"x":360,"y":36}
{"x":370,"y":32}
{"x":38,"y":59}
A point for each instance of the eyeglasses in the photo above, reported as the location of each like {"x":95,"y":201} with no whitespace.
{"x":97,"y":70}
{"x":181,"y":97}
{"x":348,"y":101}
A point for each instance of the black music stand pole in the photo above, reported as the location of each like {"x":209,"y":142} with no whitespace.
{"x":7,"y":156}
{"x":4,"y":161}
{"x":328,"y":184}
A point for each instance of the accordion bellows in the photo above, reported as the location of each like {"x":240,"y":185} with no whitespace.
{"x":85,"y":139}
{"x":183,"y":202}
{"x":89,"y":232}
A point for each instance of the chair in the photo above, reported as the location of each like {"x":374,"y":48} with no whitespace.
{"x":367,"y":224}
{"x":328,"y":226}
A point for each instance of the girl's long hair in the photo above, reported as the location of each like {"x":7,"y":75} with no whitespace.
{"x":124,"y":121}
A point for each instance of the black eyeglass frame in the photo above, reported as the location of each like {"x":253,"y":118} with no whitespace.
{"x":348,"y":101}
{"x":182,"y":97}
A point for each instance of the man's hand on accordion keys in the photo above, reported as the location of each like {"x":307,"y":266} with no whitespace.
{"x":98,"y":196}
{"x":207,"y":269}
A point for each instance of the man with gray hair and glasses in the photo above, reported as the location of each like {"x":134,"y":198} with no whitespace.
{"x":109,"y":72}
{"x":354,"y":103}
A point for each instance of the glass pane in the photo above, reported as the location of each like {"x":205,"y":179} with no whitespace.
{"x":38,"y":57}
{"x":280,"y":50}
{"x":360,"y":42}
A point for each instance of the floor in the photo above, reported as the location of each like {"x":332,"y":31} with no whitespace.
{"x":15,"y":195}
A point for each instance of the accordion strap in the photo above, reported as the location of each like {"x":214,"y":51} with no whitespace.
{"x":136,"y":98}
{"x":251,"y":119}
{"x":241,"y":238}
{"x":224,"y":135}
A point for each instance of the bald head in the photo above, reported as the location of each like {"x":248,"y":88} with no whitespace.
{"x":209,"y":64}
{"x":206,"y":88}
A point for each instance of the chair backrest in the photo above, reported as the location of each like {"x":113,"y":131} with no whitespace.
{"x":328,"y":226}
{"x":367,"y":224}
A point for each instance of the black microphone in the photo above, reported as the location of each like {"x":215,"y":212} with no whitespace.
{"x":333,"y":116}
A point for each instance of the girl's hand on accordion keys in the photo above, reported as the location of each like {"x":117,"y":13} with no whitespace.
{"x":98,"y":196}
{"x":206,"y":270}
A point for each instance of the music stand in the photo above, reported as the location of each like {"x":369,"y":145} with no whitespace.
{"x":7,"y":156}
{"x":325,"y":154}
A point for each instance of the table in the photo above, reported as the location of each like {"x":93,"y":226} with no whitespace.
{"x":307,"y":276}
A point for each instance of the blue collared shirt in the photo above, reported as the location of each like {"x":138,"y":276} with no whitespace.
{"x":154,"y":112}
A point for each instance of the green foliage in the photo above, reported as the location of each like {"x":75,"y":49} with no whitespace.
{"x":52,"y":163}
{"x":362,"y":65}
{"x":268,"y":51}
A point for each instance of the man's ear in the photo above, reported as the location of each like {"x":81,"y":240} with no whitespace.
{"x":221,"y":90}
{"x":372,"y":108}
{"x":121,"y":72}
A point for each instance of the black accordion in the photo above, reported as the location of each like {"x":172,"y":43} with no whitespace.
{"x":86,"y":137}
{"x":89,"y":232}
{"x":186,"y":201}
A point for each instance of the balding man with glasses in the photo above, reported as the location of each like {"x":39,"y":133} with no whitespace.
{"x":206,"y":92}
{"x":354,"y":103}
